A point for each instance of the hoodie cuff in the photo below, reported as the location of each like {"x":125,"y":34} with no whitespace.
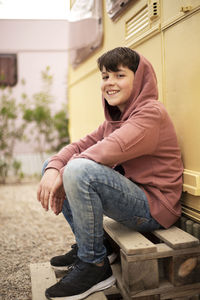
{"x":55,"y":165}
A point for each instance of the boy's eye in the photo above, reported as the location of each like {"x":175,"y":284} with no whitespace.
{"x":121,"y":75}
{"x":105,"y":77}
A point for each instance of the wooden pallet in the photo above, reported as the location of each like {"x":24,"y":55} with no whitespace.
{"x":44,"y":276}
{"x":164,"y":264}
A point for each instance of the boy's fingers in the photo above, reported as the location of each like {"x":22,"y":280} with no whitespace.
{"x":56,"y":204}
{"x":44,"y":198}
{"x":38,"y":193}
{"x":56,"y":208}
{"x":61,"y":204}
{"x":51,"y":200}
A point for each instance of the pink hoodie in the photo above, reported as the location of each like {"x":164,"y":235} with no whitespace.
{"x":143,"y":141}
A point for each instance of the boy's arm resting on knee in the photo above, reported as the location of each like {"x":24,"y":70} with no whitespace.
{"x":60,"y":160}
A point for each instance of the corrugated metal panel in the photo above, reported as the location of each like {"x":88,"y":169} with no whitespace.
{"x":144,"y":24}
{"x":191,"y":213}
{"x":137,"y":23}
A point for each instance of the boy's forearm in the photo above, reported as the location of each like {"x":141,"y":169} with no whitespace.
{"x":60,"y":160}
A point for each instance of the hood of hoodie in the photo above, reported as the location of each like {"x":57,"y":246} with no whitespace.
{"x":144,"y":90}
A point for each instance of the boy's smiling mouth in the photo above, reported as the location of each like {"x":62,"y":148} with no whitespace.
{"x":112,"y":92}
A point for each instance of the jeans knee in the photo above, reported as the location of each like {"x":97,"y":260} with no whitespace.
{"x":77,"y":169}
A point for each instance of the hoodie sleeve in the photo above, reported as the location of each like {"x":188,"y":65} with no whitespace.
{"x":59,"y":160}
{"x":136,"y":137}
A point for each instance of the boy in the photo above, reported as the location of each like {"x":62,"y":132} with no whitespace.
{"x":129,"y":169}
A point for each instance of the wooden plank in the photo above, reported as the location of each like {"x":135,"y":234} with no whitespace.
{"x":154,"y":297}
{"x":164,"y":251}
{"x":132,"y":242}
{"x":113,"y":290}
{"x":139,"y":275}
{"x":176,"y":238}
{"x":183,"y":269}
{"x":127,"y":296}
{"x":181,"y":293}
{"x":163,"y":248}
{"x":164,"y":288}
{"x":42,"y":277}
{"x":116,"y":268}
{"x":168,"y":291}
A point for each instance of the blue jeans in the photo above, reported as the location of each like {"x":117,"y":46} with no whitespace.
{"x":93,"y":190}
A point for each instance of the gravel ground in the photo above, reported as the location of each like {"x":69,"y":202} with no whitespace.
{"x":28,"y":234}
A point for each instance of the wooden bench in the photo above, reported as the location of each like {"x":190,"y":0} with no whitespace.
{"x":164,"y":264}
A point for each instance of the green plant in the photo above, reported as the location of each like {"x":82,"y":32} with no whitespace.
{"x":49,"y":130}
{"x":16,"y":166}
{"x":61,"y":124}
{"x":10,"y":130}
{"x":30,"y":118}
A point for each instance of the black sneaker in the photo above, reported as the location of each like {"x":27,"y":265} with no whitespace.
{"x":82,"y":280}
{"x":62,"y":262}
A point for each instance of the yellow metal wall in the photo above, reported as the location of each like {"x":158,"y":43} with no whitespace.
{"x":172,"y":44}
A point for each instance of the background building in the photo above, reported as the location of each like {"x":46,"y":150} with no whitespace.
{"x":37,"y":44}
{"x":167,"y":33}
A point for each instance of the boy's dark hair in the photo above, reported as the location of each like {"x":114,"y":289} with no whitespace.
{"x":124,"y":56}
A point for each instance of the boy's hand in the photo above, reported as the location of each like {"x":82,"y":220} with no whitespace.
{"x":57,"y":196}
{"x":45,"y":186}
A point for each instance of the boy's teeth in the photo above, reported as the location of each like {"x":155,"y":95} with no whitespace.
{"x":112,"y":92}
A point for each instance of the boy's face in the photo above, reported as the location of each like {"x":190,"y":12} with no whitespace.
{"x":117,"y":87}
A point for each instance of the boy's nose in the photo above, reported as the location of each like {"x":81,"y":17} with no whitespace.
{"x":111,"y":81}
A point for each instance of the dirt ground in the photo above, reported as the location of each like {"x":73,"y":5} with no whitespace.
{"x":28,"y":234}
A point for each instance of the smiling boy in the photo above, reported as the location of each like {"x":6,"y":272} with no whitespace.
{"x":128,"y":169}
{"x":117,"y":87}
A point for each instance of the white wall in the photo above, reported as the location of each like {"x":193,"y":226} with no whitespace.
{"x":38,"y":44}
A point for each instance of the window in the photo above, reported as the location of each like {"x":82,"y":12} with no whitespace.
{"x":8,"y":69}
{"x":85,"y":29}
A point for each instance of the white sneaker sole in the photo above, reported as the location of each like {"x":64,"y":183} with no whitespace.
{"x":112,"y":257}
{"x":96,"y":288}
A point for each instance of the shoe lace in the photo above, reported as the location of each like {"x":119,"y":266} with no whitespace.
{"x":71,"y":268}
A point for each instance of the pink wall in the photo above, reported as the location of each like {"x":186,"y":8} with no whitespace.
{"x":30,"y":35}
{"x":37,"y":44}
